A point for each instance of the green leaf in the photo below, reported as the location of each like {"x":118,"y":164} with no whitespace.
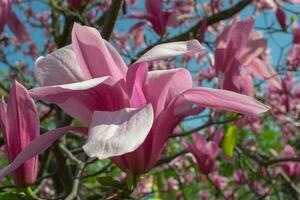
{"x":293,"y":18}
{"x":132,"y":180}
{"x":12,"y":196}
{"x":129,"y":180}
{"x":230,"y":140}
{"x":110,"y":182}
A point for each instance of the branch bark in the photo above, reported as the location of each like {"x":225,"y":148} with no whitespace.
{"x":111,"y":18}
{"x":192,"y":32}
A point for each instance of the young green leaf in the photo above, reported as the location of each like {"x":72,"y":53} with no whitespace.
{"x":230,"y":140}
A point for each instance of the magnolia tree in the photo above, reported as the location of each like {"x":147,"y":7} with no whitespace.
{"x":153,"y":99}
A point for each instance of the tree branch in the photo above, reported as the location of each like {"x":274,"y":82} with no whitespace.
{"x":192,"y":32}
{"x":110,"y":19}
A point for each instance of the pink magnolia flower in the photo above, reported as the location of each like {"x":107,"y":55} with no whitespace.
{"x":137,"y":32}
{"x":20,"y":125}
{"x":218,"y":181}
{"x":292,"y":169}
{"x":281,"y":18}
{"x":239,"y":177}
{"x":293,"y":57}
{"x":75,"y":3}
{"x":204,"y":152}
{"x":154,"y":15}
{"x":294,"y":1}
{"x":259,"y":188}
{"x":265,"y":4}
{"x":203,"y":195}
{"x":253,"y":123}
{"x":171,"y":184}
{"x":7,"y":16}
{"x":229,"y":193}
{"x":90,"y":81}
{"x":238,"y":47}
{"x":285,"y":102}
{"x":296,"y":38}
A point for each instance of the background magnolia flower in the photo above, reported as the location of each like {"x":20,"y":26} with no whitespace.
{"x":204,"y":152}
{"x":238,"y":49}
{"x":7,"y":16}
{"x":155,"y":16}
{"x":20,"y":125}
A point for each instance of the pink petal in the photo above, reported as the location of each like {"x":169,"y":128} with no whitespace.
{"x":247,"y":87}
{"x":17,"y":27}
{"x":137,"y":72}
{"x":239,"y":35}
{"x":222,"y":99}
{"x":77,"y":99}
{"x":21,"y":126}
{"x":253,"y":49}
{"x":211,"y":149}
{"x":199,"y":141}
{"x":5,"y":7}
{"x":154,"y":7}
{"x":218,"y":137}
{"x":22,"y":118}
{"x":135,"y":80}
{"x":38,"y":145}
{"x":281,"y":18}
{"x":58,"y":67}
{"x":119,"y":132}
{"x":167,"y":84}
{"x":233,"y":40}
{"x":144,"y":16}
{"x":288,"y":151}
{"x":169,"y":50}
{"x":3,"y":119}
{"x":265,"y":72}
{"x":94,"y":56}
{"x":189,"y":147}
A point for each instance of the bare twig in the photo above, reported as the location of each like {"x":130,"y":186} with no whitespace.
{"x":169,"y":159}
{"x":210,"y":20}
{"x":110,"y":19}
{"x":206,"y":125}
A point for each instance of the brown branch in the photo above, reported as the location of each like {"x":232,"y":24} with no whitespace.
{"x":279,"y":160}
{"x":192,"y":32}
{"x":102,"y":170}
{"x":169,"y":159}
{"x":206,"y":125}
{"x":110,"y":19}
{"x":291,"y":184}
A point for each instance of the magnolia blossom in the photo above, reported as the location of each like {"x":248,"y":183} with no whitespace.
{"x":154,"y":15}
{"x":292,"y":169}
{"x":293,"y":57}
{"x":220,"y":182}
{"x":204,"y":152}
{"x":127,"y":107}
{"x":265,"y":4}
{"x":296,"y":38}
{"x":7,"y":16}
{"x":20,"y":125}
{"x":237,"y":58}
{"x":75,"y":3}
{"x":239,"y":177}
{"x":281,"y":18}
